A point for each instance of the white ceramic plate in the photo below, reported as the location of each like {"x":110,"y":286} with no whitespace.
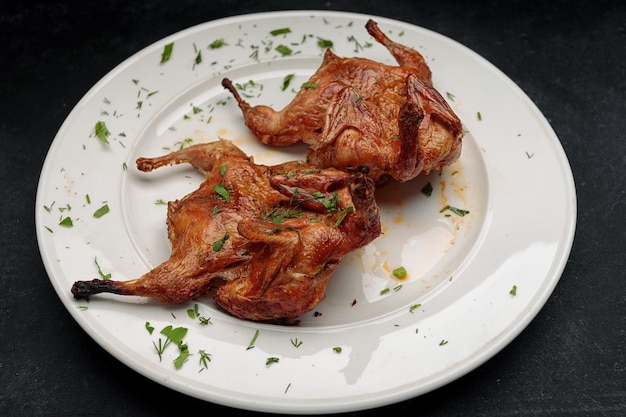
{"x":361,"y":347}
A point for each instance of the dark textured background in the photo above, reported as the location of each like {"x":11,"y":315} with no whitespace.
{"x":568,"y":56}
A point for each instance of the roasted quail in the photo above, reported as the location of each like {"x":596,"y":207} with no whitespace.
{"x":355,"y":111}
{"x":263,"y":239}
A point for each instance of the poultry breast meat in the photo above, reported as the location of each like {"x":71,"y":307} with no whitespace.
{"x":263,"y":239}
{"x":355,"y":111}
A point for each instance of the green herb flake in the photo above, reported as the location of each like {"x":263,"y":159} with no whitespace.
{"x":309,"y":85}
{"x":173,"y":335}
{"x":427,"y":189}
{"x":253,"y":341}
{"x":384,"y":291}
{"x":182,"y":357}
{"x":271,"y":360}
{"x":102,"y":274}
{"x":414,"y":307}
{"x":102,"y":132}
{"x":101,"y":211}
{"x":87,"y":198}
{"x":337,"y":349}
{"x":287,"y":81}
{"x":217,"y":43}
{"x":222,"y":192}
{"x":167,"y":52}
{"x":218,"y":244}
{"x":513,"y":291}
{"x":479,"y":116}
{"x":66,"y":222}
{"x":176,"y":334}
{"x":296,"y":343}
{"x":455,"y":210}
{"x":343,"y":215}
{"x":443,"y":342}
{"x":282,"y":31}
{"x":149,"y":328}
{"x":324,"y":43}
{"x":450,"y":96}
{"x":193,"y":312}
{"x":399,"y":272}
{"x":198,"y":59}
{"x":205,"y":358}
{"x":284,"y":50}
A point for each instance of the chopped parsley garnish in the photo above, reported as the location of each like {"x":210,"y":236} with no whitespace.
{"x":167,"y":52}
{"x":413,"y":307}
{"x":284,"y":50}
{"x":217,"y":43}
{"x":66,"y":222}
{"x":296,"y":343}
{"x":286,"y":81}
{"x":427,"y":189}
{"x":101,"y":211}
{"x":513,"y":290}
{"x":271,"y":360}
{"x":479,"y":116}
{"x":218,"y":244}
{"x":443,"y":342}
{"x":193,"y":312}
{"x":343,"y":215}
{"x":282,"y":31}
{"x":324,"y":43}
{"x":205,"y":358}
{"x":102,"y":275}
{"x":222,"y":192}
{"x":277,"y":216}
{"x":251,"y":344}
{"x":329,"y":203}
{"x":102,"y":132}
{"x":173,"y":335}
{"x":455,"y":210}
{"x":399,"y":272}
{"x":337,"y":349}
{"x":309,"y":85}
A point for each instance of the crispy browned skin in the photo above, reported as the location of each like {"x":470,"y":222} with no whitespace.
{"x":271,"y":243}
{"x":362,"y":112}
